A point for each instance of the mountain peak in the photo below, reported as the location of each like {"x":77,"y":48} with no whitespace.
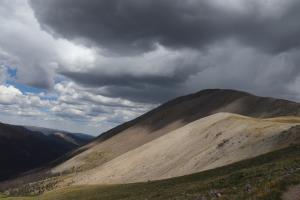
{"x":173,"y":115}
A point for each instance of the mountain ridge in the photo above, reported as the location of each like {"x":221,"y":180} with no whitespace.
{"x":170,"y":116}
{"x":181,"y":99}
{"x":207,"y":143}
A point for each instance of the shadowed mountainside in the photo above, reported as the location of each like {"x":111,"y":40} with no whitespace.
{"x":22,"y":149}
{"x":77,"y":139}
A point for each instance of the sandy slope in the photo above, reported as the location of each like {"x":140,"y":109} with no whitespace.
{"x":98,"y":154}
{"x":169,"y":117}
{"x":207,"y":143}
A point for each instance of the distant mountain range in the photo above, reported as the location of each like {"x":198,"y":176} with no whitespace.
{"x":77,"y":139}
{"x":25,"y":148}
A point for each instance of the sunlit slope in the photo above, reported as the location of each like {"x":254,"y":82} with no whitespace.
{"x":207,"y":143}
{"x":265,"y":177}
{"x":169,"y":117}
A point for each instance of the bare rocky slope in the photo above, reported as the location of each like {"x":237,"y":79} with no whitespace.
{"x":169,"y":117}
{"x":207,"y":143}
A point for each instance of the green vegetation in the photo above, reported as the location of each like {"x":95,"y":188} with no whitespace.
{"x":265,"y":178}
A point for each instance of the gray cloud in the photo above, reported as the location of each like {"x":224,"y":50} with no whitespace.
{"x":214,"y":31}
{"x":3,"y":74}
{"x":246,"y":68}
{"x":154,"y":76}
{"x":23,"y":46}
{"x":140,"y":81}
{"x":137,"y":25}
{"x":149,"y":94}
{"x":105,"y":62}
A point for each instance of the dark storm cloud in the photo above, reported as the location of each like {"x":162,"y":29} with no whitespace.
{"x":140,"y":88}
{"x":95,"y":78}
{"x":241,"y":44}
{"x":126,"y":26}
{"x":150,"y":94}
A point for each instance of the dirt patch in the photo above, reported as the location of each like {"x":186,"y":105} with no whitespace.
{"x":292,"y":194}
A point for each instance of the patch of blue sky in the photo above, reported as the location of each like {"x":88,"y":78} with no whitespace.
{"x":11,"y":72}
{"x":26,"y":88}
{"x":45,"y":110}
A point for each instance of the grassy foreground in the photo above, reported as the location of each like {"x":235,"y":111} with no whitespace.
{"x":265,"y":177}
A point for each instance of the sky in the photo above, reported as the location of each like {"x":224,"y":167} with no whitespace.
{"x":87,"y":66}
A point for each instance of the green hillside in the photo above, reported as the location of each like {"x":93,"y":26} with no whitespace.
{"x":265,"y":177}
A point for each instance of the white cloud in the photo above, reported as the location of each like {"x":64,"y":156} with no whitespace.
{"x":34,"y":52}
{"x":9,"y":94}
{"x":76,"y":101}
{"x":75,"y":106}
